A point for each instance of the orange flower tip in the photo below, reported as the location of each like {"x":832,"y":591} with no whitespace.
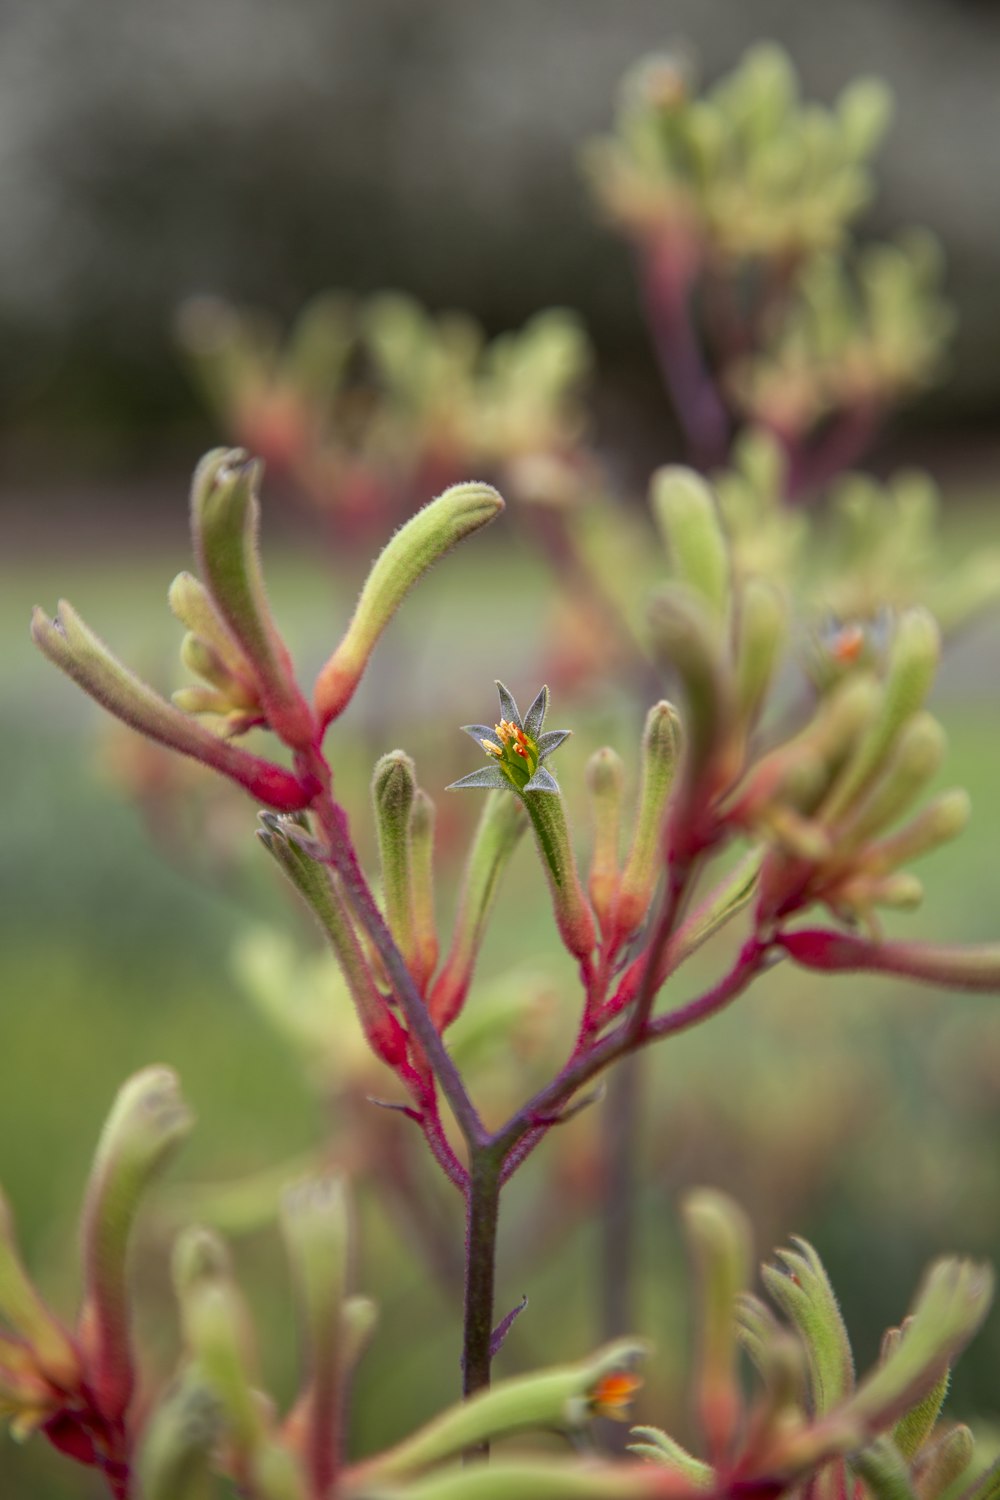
{"x":614,"y":1393}
{"x":848,"y":645}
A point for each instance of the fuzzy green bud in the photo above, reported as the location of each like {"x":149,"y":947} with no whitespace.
{"x":660,"y":755}
{"x":719,"y":1242}
{"x":74,"y":648}
{"x":428,"y":535}
{"x":685,"y":639}
{"x":943,"y":1461}
{"x":913,"y":659}
{"x":425,"y":938}
{"x":563,"y":1399}
{"x":913,"y":761}
{"x":315,"y":1224}
{"x":217,"y":1332}
{"x":949,"y":1308}
{"x":225,"y":521}
{"x":394,"y":786}
{"x":605,"y":780}
{"x":801,"y":1288}
{"x":147,"y":1123}
{"x":688,"y":519}
{"x":501,"y":827}
{"x":938,"y":823}
{"x":761,"y":632}
{"x":24,"y":1310}
{"x":552,"y":836}
{"x":321,"y":890}
{"x":175,"y":1460}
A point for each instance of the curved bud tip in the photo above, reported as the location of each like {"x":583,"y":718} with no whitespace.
{"x":427,"y":536}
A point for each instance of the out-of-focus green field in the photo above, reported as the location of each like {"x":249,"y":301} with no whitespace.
{"x":865,"y":1115}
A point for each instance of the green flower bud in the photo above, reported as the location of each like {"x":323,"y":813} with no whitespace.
{"x":217,"y":1333}
{"x":685,"y":638}
{"x":147,"y":1123}
{"x":760,"y":637}
{"x":948,"y":1309}
{"x":940,"y":822}
{"x":913,"y":659}
{"x":175,"y":1460}
{"x":225,"y":521}
{"x":74,"y":648}
{"x":605,"y":779}
{"x":563,"y":1398}
{"x":315,"y":1224}
{"x":24,"y":1310}
{"x":688,"y":518}
{"x":425,"y":939}
{"x":660,"y":754}
{"x":428,"y":535}
{"x":944,"y":1461}
{"x":320,"y":888}
{"x":500,"y":829}
{"x":801,"y":1288}
{"x":719,"y":1242}
{"x":914,"y":760}
{"x":394,"y":786}
{"x":915,"y":1427}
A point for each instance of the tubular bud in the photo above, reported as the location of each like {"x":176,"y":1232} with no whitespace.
{"x":316,"y":1229}
{"x":913,"y":761}
{"x":719,"y":1243}
{"x":686,"y":639}
{"x":428,"y":535}
{"x":973,"y":968}
{"x":761,"y":631}
{"x":175,"y":1460}
{"x":573,"y":915}
{"x":564,"y":1398}
{"x":148,"y":1121}
{"x":24,"y":1310}
{"x":394,"y":786}
{"x":938,"y":823}
{"x":217,"y":1332}
{"x":500,"y":829}
{"x":321,"y":891}
{"x":688,"y":518}
{"x":660,"y":754}
{"x":73,"y":647}
{"x":605,"y":778}
{"x":225,"y":521}
{"x":425,"y":940}
{"x":913,"y":659}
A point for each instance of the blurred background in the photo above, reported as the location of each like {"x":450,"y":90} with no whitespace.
{"x":263,"y":154}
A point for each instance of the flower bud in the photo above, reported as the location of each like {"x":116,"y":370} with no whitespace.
{"x":147,"y":1123}
{"x":914,"y":760}
{"x":574,"y":918}
{"x":175,"y":1460}
{"x":688,"y":518}
{"x":500,"y":829}
{"x":940,"y":822}
{"x":24,"y":1310}
{"x":428,"y":535}
{"x":719,"y":1242}
{"x":943,"y":1461}
{"x":217,"y":1332}
{"x":561,"y":1399}
{"x":660,"y":754}
{"x":605,"y":777}
{"x":73,"y":647}
{"x":321,"y":890}
{"x":225,"y":521}
{"x":394,"y":786}
{"x":913,"y":658}
{"x":314,"y":1221}
{"x":949,"y":1308}
{"x":425,"y":939}
{"x":760,"y":636}
{"x":801,"y":1288}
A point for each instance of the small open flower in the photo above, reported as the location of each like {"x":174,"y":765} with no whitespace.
{"x":613,"y":1395}
{"x":517,"y":748}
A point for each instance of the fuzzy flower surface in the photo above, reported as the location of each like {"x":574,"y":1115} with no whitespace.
{"x":516,"y":747}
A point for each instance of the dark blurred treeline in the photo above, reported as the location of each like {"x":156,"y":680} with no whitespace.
{"x":265,"y":151}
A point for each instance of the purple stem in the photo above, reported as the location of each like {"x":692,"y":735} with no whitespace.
{"x":667,"y":283}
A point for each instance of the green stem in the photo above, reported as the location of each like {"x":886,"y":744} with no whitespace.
{"x":482,"y":1215}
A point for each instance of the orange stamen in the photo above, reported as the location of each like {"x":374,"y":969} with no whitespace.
{"x":613,"y":1394}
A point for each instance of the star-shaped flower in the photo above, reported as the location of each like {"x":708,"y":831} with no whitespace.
{"x":516,"y":748}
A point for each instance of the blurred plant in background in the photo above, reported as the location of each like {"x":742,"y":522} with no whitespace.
{"x":776,"y":813}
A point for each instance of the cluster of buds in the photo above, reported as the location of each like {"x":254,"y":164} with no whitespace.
{"x":744,"y":170}
{"x":812,"y":1422}
{"x":368,"y":406}
{"x":852,"y":338}
{"x":740,"y":202}
{"x":77,"y":1383}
